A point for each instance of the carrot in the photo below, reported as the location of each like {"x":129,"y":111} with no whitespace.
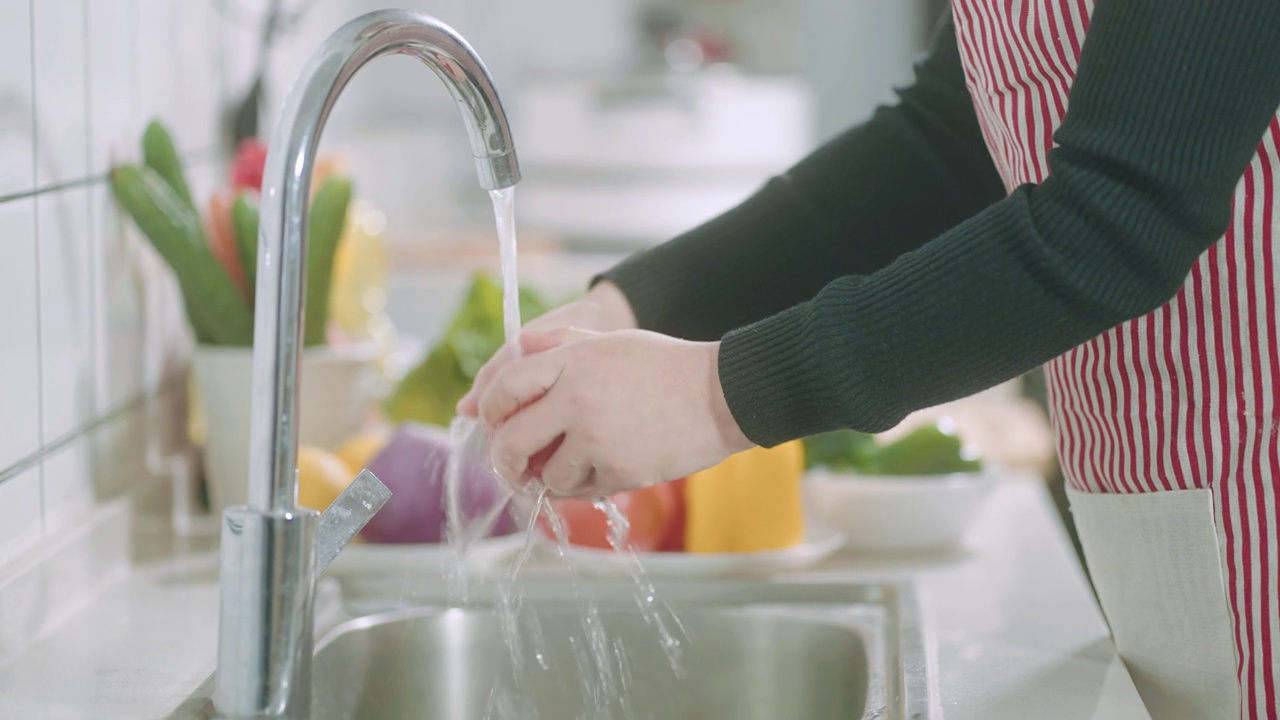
{"x":222,"y":239}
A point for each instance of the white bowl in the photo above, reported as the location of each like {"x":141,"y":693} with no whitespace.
{"x":898,"y":512}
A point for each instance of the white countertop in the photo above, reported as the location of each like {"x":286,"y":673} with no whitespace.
{"x":1011,"y":626}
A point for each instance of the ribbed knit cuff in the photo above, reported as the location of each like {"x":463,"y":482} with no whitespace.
{"x":775,"y":380}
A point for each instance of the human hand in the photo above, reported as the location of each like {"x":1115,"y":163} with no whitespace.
{"x":602,"y":309}
{"x":597,"y":413}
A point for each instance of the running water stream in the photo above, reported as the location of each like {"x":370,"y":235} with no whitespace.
{"x":602,"y":668}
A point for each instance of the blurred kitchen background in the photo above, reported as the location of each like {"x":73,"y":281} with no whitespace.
{"x":633,"y":119}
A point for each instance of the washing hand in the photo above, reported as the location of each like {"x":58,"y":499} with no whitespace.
{"x":602,"y":309}
{"x":597,"y":413}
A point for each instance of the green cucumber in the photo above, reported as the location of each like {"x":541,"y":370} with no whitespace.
{"x":159,"y":154}
{"x":326,"y":221}
{"x":244,"y":218}
{"x":217,"y":311}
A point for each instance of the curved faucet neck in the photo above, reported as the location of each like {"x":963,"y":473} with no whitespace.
{"x":282,"y":229}
{"x":271,"y":549}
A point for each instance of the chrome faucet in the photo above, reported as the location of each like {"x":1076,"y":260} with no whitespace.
{"x":271,"y":548}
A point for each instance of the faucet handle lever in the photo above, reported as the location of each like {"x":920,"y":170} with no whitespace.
{"x":347,"y":515}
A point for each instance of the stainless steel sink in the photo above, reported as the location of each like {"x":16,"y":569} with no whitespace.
{"x":753,"y":650}
{"x":394,"y":642}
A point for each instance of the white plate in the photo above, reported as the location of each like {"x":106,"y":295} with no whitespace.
{"x":818,"y":546}
{"x":366,"y":557}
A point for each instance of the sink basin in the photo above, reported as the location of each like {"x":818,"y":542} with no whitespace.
{"x":752,"y":650}
{"x":392,"y":644}
{"x":445,"y":665}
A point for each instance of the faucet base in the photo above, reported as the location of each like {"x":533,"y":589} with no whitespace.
{"x":265,"y":631}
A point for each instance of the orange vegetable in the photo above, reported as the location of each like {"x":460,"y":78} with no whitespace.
{"x":748,"y":503}
{"x":222,"y":239}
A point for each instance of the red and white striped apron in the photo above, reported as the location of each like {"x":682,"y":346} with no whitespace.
{"x":1167,"y":425}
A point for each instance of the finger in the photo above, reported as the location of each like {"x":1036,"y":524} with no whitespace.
{"x":531,"y":342}
{"x":523,"y":435}
{"x":567,"y":473}
{"x":520,"y":383}
{"x":469,"y":405}
{"x":536,"y":341}
{"x":540,"y":458}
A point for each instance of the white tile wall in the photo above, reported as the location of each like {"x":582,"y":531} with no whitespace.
{"x":61,"y":131}
{"x":178,"y":48}
{"x":15,"y":96}
{"x":20,"y":351}
{"x":118,"y":322}
{"x":66,"y":302}
{"x":20,"y":518}
{"x":157,"y":70}
{"x":67,"y":484}
{"x":193,"y":50}
{"x":112,"y":83}
{"x":78,"y":81}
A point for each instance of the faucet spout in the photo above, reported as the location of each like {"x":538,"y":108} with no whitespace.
{"x":271,"y":548}
{"x":287,"y":183}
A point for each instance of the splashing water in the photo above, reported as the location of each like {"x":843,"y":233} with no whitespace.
{"x":603,"y":670}
{"x":651,"y":608}
{"x":465,"y":435}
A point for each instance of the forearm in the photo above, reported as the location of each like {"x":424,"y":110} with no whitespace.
{"x":852,"y":207}
{"x":1168,"y":105}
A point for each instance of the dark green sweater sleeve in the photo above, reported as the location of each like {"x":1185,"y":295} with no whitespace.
{"x":1168,"y":105}
{"x":879,"y":190}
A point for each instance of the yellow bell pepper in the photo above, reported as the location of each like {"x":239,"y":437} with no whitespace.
{"x":750,"y":502}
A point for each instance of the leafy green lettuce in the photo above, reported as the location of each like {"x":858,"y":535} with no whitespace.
{"x":931,"y":449}
{"x":429,"y":392}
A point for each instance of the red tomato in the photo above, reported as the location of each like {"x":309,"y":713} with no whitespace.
{"x":585,"y":525}
{"x":673,"y":541}
{"x":649,"y":513}
{"x":246,"y":169}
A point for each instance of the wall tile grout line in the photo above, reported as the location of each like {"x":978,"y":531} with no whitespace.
{"x":194,"y":158}
{"x":139,"y":401}
{"x":35,"y":162}
{"x":52,"y":187}
{"x":93,"y":231}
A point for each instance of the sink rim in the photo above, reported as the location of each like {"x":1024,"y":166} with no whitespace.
{"x":908,"y":683}
{"x":905,"y":681}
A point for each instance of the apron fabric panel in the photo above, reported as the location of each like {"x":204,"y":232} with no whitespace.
{"x":1185,"y":397}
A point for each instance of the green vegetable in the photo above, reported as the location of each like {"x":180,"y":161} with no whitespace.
{"x":218,"y":313}
{"x":839,"y":450}
{"x":159,"y":154}
{"x":928,"y":450}
{"x":325,"y":224}
{"x":429,"y":392}
{"x":244,"y":219}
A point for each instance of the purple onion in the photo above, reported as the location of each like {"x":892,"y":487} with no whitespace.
{"x":413,"y":467}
